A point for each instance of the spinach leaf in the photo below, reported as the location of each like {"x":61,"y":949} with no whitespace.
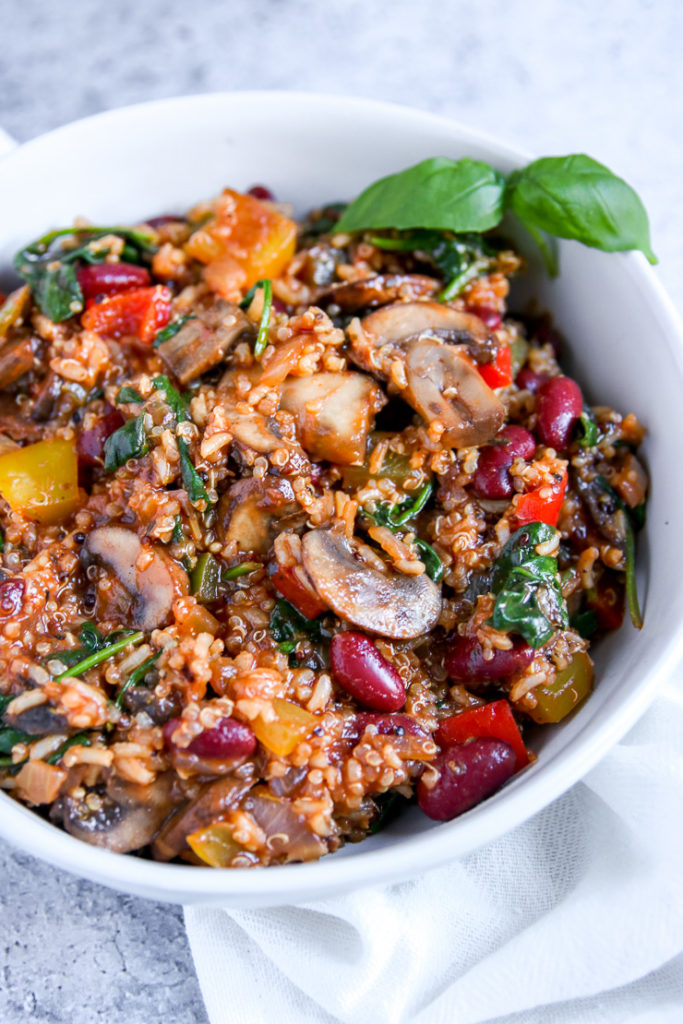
{"x":192,"y":482}
{"x":128,"y":442}
{"x":527,"y":587}
{"x":262,"y":335}
{"x":172,"y":329}
{"x":128,"y":394}
{"x":288,"y":625}
{"x":456,"y":195}
{"x":10,"y":736}
{"x":173,"y":398}
{"x":177,"y":535}
{"x":629,"y":517}
{"x":50,"y":270}
{"x":81,"y":739}
{"x":91,"y":640}
{"x":108,"y":647}
{"x":326,"y":224}
{"x":136,"y":677}
{"x":397,"y":517}
{"x":459,"y":259}
{"x":576,"y":197}
{"x":587,"y":429}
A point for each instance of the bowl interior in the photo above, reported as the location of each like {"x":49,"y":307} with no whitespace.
{"x":624,"y":345}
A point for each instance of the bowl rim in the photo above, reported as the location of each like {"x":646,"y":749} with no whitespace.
{"x":412,"y":854}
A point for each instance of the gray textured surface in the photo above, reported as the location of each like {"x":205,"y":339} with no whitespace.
{"x":555,"y":77}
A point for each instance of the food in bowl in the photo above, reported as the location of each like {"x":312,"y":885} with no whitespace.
{"x":298,"y":524}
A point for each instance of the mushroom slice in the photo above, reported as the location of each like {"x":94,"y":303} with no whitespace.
{"x":334,"y":414}
{"x":126,"y":818}
{"x":375,"y":339}
{"x":443,"y":384}
{"x":379,"y":290}
{"x":252,"y":512}
{"x":388,"y":603}
{"x":204,"y":341}
{"x":152,"y":588}
{"x":213,"y":802}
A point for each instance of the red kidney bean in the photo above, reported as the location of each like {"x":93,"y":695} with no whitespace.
{"x":229,"y":739}
{"x":465,"y":660}
{"x":90,"y":443}
{"x":558,"y":406}
{"x":492,"y":478}
{"x":386,"y":725}
{"x":530,"y":380}
{"x":467,"y":774}
{"x":261,"y":192}
{"x":491,"y":317}
{"x":110,"y":278}
{"x":11,"y":597}
{"x":365,"y":674}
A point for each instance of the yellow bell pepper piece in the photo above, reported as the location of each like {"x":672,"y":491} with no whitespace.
{"x":41,"y":480}
{"x":570,"y":686}
{"x":214,"y":844}
{"x":290,"y":726}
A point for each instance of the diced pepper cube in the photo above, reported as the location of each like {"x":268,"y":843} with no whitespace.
{"x":41,"y":480}
{"x":290,"y":726}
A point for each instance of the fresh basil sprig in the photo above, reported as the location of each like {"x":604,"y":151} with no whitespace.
{"x":563,"y":196}
{"x":50,"y":270}
{"x":520,"y":578}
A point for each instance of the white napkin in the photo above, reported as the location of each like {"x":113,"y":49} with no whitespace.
{"x":6,"y":142}
{"x":577,"y":915}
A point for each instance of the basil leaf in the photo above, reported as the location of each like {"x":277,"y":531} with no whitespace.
{"x":128,"y":394}
{"x":576,"y":197}
{"x":192,"y":482}
{"x":171,"y":329}
{"x":128,"y":442}
{"x":456,"y":195}
{"x":177,"y":402}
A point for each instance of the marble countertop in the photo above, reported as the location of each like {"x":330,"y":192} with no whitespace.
{"x":553,"y":77}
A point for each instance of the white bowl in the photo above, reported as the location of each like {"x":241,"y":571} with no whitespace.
{"x":626,"y":348}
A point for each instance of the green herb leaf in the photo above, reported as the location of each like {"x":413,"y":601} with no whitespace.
{"x":173,"y":398}
{"x":577,"y":197}
{"x":241,"y":570}
{"x":587,"y":429}
{"x":136,"y":677}
{"x":287,"y":625}
{"x":128,"y":442}
{"x":128,"y":394}
{"x":397,"y":517}
{"x":630,"y":516}
{"x":262,"y":334}
{"x":520,"y":578}
{"x":81,"y":739}
{"x":177,"y":535}
{"x":326,"y":224}
{"x":106,"y":651}
{"x":459,"y":259}
{"x":462,"y":195}
{"x":2,"y":540}
{"x":432,"y":563}
{"x":172,"y":329}
{"x":9,"y":737}
{"x":192,"y":482}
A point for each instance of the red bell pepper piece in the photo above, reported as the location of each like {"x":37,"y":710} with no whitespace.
{"x":498,"y":374}
{"x":140,"y":311}
{"x":297,"y":592}
{"x":493,"y":720}
{"x":542,"y":505}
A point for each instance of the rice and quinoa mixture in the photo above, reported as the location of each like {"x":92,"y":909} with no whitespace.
{"x":290,"y":535}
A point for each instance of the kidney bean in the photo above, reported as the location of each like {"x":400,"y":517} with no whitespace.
{"x":110,"y":278}
{"x":530,"y":380}
{"x":365,"y":674}
{"x":465,"y":660}
{"x":558,"y":407}
{"x":90,"y":443}
{"x":491,"y":317}
{"x":386,"y":725}
{"x":492,"y":478}
{"x":11,"y":597}
{"x":229,"y":739}
{"x":261,"y":192}
{"x":467,"y":774}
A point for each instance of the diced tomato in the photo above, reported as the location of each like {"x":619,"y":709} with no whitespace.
{"x":140,"y":311}
{"x":493,"y":720}
{"x":297,"y":592}
{"x":498,"y":374}
{"x":542,"y":505}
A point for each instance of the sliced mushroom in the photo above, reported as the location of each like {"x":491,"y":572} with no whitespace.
{"x":376,"y":338}
{"x":379,"y":290}
{"x":335,"y":412}
{"x":214,"y":800}
{"x":204,"y":341}
{"x":443,"y":384}
{"x":16,"y":359}
{"x":125,"y":818}
{"x":40,"y":720}
{"x":253,"y":511}
{"x":388,"y":603}
{"x":152,"y":588}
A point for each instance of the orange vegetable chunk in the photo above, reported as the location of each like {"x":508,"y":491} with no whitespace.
{"x":290,"y":726}
{"x":214,"y":844}
{"x":41,"y":480}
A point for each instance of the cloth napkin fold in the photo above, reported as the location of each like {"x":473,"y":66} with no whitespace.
{"x":576,"y":915}
{"x":6,"y":142}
